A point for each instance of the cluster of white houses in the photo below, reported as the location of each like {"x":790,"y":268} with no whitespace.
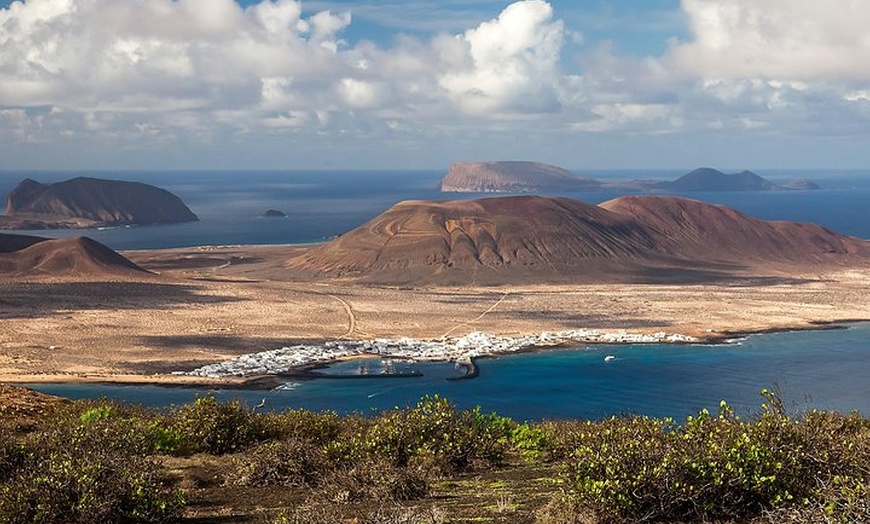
{"x":450,"y":349}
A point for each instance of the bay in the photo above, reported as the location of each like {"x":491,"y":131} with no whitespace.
{"x":824,"y":369}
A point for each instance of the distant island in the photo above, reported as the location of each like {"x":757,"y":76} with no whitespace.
{"x":802,"y":184}
{"x":85,"y":202}
{"x":528,"y":177}
{"x":511,"y":177}
{"x":709,"y":179}
{"x":274,"y":213}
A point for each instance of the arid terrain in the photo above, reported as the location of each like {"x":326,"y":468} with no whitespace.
{"x":209,"y":304}
{"x":73,"y":310}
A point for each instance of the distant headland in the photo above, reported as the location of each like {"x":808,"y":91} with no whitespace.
{"x":529,"y":177}
{"x":85,"y":202}
{"x":512,"y":177}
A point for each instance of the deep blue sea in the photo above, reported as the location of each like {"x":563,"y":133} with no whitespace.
{"x":822,"y":369}
{"x":826,"y":369}
{"x":322,"y":204}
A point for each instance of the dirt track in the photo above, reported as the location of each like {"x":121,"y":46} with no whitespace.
{"x":212,"y":304}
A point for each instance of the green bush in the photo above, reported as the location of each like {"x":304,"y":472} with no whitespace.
{"x":65,"y":478}
{"x":209,"y":426}
{"x":619,"y":467}
{"x":718,"y":467}
{"x":318,"y":428}
{"x":454,"y":439}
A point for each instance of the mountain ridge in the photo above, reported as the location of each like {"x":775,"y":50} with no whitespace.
{"x":548,"y":239}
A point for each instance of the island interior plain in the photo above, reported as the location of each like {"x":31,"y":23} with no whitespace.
{"x":208,"y":304}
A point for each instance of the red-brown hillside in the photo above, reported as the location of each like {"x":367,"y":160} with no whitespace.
{"x":80,"y":256}
{"x":517,"y":239}
{"x":696,"y":230}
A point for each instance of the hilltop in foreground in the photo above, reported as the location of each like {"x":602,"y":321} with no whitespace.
{"x":510,"y":240}
{"x":91,"y":202}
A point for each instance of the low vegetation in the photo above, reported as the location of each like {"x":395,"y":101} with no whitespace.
{"x":100,"y":461}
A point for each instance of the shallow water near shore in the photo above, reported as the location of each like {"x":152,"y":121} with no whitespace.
{"x":824,"y":369}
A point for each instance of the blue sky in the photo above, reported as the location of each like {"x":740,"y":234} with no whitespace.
{"x":283,"y":84}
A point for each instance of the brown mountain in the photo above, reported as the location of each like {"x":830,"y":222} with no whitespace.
{"x":81,"y":256}
{"x":694,"y":230}
{"x":90,"y":202}
{"x":536,"y":239}
{"x":511,"y":177}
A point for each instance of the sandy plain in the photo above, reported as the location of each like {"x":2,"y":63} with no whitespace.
{"x":209,"y":304}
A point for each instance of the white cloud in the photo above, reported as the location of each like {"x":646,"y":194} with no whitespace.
{"x":509,"y":63}
{"x":108,"y":55}
{"x":787,"y":40}
{"x":213,"y":60}
{"x":214,"y":75}
{"x":363,"y":94}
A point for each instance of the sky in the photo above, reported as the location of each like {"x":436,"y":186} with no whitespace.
{"x":389,"y":84}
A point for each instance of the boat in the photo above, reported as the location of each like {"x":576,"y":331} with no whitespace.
{"x":609,"y":358}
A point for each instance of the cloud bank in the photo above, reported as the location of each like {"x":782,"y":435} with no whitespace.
{"x":195,"y":77}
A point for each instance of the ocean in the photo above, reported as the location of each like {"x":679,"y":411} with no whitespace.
{"x":825,"y":369}
{"x":322,"y":204}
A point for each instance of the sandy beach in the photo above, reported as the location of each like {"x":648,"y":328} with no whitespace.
{"x":211,"y":304}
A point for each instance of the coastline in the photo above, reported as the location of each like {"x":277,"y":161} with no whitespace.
{"x":264,"y":382}
{"x":209,"y":305}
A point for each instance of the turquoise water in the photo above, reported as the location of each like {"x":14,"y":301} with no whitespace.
{"x":826,"y":369}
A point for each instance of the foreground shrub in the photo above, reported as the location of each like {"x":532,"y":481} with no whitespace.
{"x":386,"y":514}
{"x":452,"y":439}
{"x":719,"y":468}
{"x":288,"y":463}
{"x":619,"y":466}
{"x":374,"y":480}
{"x":65,"y":479}
{"x":209,"y":426}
